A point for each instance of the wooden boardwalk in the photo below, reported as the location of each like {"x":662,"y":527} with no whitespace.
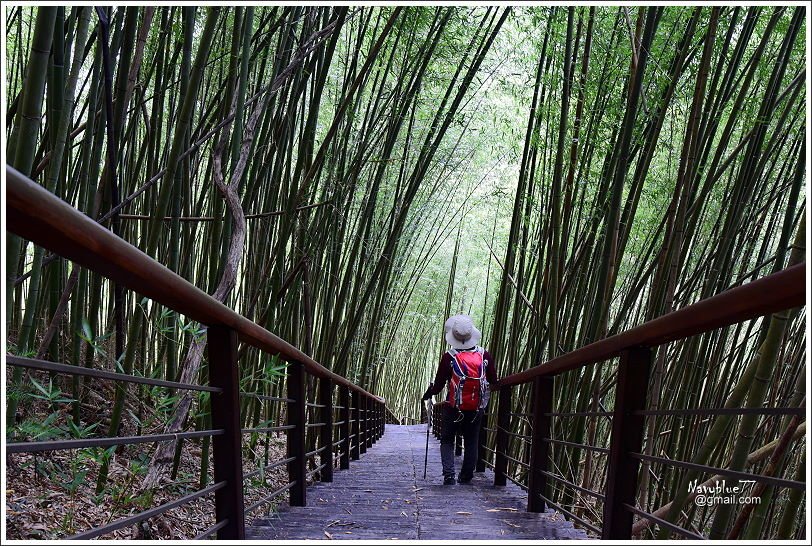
{"x":384,"y":496}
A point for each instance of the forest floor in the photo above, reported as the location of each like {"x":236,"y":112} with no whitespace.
{"x":51,"y":495}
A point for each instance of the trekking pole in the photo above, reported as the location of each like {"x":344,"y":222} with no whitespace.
{"x":428,"y":426}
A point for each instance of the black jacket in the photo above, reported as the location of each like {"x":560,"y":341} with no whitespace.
{"x":444,"y":372}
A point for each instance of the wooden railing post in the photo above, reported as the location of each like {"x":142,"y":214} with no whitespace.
{"x":355,"y":452}
{"x":379,"y":422}
{"x":376,"y":416}
{"x":539,"y":448}
{"x":365,"y":404}
{"x":225,"y":414}
{"x":373,"y":423}
{"x":369,"y":437}
{"x":381,"y":419}
{"x":297,"y":468}
{"x":373,"y":420}
{"x":346,"y":427}
{"x":326,"y":400}
{"x":626,"y":437}
{"x":502,"y":425}
{"x":362,"y":426}
{"x":362,"y":415}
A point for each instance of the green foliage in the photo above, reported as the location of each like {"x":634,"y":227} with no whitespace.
{"x":51,"y":393}
{"x":195,"y":329}
{"x":38,"y":429}
{"x":274,"y":369}
{"x":95,"y":342}
{"x":73,"y":478}
{"x":372,"y":176}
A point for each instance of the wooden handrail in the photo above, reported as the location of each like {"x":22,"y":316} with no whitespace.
{"x":41,"y":217}
{"x":784,"y":289}
{"x":37,"y":215}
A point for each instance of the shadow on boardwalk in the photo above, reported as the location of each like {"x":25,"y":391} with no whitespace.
{"x":384,"y":496}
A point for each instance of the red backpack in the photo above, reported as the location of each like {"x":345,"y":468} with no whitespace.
{"x":468,"y":388}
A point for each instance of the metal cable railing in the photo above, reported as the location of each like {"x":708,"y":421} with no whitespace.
{"x":622,"y":457}
{"x":45,"y":220}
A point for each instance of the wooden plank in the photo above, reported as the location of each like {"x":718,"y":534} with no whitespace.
{"x":383,"y":496}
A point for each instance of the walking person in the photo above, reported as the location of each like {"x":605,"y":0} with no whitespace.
{"x":469,"y":372}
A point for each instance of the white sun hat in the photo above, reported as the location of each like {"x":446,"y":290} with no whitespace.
{"x":460,"y":332}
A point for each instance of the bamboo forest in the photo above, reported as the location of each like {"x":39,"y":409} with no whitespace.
{"x":234,"y":234}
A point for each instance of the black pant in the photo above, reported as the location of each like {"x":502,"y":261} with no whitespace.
{"x":468,"y":423}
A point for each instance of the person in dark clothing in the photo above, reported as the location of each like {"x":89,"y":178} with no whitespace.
{"x":469,"y":372}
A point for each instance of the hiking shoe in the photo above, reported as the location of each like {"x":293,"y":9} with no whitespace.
{"x":449,"y":480}
{"x":464,"y":479}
